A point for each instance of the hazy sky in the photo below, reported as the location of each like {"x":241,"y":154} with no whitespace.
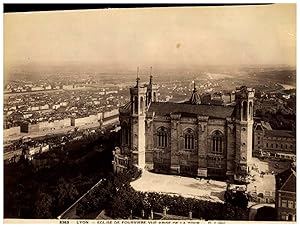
{"x":131,"y":37}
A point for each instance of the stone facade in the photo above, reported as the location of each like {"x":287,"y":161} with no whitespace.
{"x":188,"y":138}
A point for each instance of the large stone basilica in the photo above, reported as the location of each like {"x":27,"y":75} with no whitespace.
{"x":187,"y":138}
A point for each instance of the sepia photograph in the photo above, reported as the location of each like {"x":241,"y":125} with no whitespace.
{"x":138,"y":114}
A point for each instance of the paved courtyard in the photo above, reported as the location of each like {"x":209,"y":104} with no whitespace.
{"x":212,"y":190}
{"x":178,"y":185}
{"x":262,"y":184}
{"x":266,"y":182}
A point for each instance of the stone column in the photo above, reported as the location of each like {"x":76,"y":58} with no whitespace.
{"x":230,"y":148}
{"x":149,"y":141}
{"x":202,"y":146}
{"x":175,"y":140}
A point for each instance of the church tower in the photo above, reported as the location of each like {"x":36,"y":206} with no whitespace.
{"x":152,"y":91}
{"x":244,"y":129}
{"x":137,"y":115}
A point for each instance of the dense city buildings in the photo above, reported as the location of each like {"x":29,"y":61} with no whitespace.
{"x":39,"y":112}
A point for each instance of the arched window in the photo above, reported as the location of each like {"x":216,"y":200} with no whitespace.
{"x":136,"y":104}
{"x":250,"y":110}
{"x":244,"y":110}
{"x":162,"y":137}
{"x":149,"y":97}
{"x":146,"y":100}
{"x":217,"y":142}
{"x":154,"y":96}
{"x":125,"y":135}
{"x":189,"y":140}
{"x":129,"y":135}
{"x":142,"y":105}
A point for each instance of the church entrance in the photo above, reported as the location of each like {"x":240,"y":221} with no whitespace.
{"x":188,"y":170}
{"x":214,"y":172}
{"x":161,"y":167}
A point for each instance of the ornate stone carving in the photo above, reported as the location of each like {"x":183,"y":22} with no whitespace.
{"x":134,"y":120}
{"x":134,"y":148}
{"x":230,"y":127}
{"x":174,"y":125}
{"x":202,"y":126}
{"x":148,"y":122}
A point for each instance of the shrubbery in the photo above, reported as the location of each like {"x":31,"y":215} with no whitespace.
{"x":120,"y":200}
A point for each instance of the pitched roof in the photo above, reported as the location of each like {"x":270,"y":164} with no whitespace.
{"x":286,"y":180}
{"x":165,"y":108}
{"x":127,"y":106}
{"x":280,"y":133}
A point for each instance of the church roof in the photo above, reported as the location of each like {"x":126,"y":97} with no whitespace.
{"x":280,"y":133}
{"x":126,"y":107}
{"x":165,"y":108}
{"x":217,"y":102}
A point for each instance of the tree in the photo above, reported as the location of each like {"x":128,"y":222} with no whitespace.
{"x":124,"y":201}
{"x":66,"y":193}
{"x":43,"y":206}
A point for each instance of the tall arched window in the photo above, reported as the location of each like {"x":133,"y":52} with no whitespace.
{"x":125,"y":135}
{"x":250,"y":110}
{"x":129,"y":136}
{"x":244,"y":110}
{"x":217,"y":142}
{"x":189,"y":140}
{"x":142,"y":105}
{"x":149,"y":97}
{"x":136,"y":104}
{"x":162,"y":137}
{"x":154,"y":96}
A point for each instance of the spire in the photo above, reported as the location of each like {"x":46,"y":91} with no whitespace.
{"x":151,"y":75}
{"x":137,"y":77}
{"x":195,"y":98}
{"x":194,"y":86}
